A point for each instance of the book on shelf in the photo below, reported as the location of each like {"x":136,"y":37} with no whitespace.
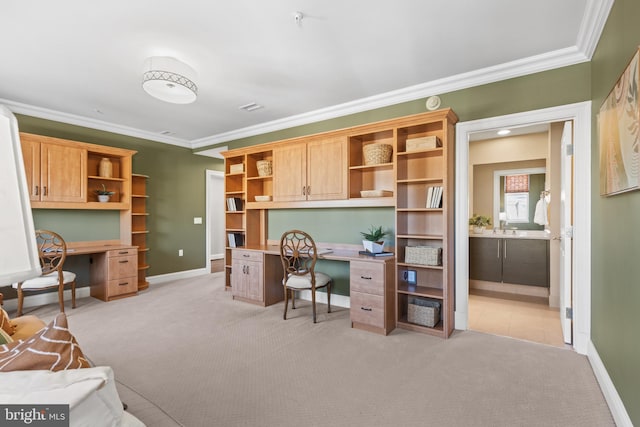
{"x":367,"y":253}
{"x":434,"y":197}
{"x":234,"y":204}
{"x":235,"y":239}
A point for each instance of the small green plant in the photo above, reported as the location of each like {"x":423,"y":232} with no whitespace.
{"x":104,"y":191}
{"x":479,"y":220}
{"x":375,"y":234}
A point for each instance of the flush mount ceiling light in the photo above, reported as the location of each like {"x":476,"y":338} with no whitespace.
{"x":169,"y":80}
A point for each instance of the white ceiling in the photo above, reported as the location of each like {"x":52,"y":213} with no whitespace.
{"x":81,"y":62}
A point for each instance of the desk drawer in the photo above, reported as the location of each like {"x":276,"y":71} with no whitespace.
{"x":367,"y":277}
{"x":367,"y":309}
{"x":247,"y":255}
{"x":122,"y":266}
{"x":125,"y":285}
{"x":122,"y":252}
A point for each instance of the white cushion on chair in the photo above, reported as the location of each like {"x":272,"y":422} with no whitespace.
{"x":304,"y":282}
{"x":46,"y":280}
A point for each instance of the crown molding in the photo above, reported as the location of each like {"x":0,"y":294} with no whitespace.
{"x":593,"y":22}
{"x":534,"y":64}
{"x":72,"y":119}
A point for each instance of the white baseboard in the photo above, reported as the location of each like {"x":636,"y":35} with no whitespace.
{"x":178,"y":275}
{"x":45,"y":299}
{"x":616,"y":406}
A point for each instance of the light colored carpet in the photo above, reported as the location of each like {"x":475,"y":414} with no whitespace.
{"x":186,"y":354}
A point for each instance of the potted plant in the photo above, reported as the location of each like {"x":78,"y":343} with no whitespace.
{"x":479,"y":222}
{"x":104,"y":194}
{"x":373,"y":239}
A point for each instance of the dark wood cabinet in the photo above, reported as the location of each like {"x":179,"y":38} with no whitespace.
{"x":517,"y":261}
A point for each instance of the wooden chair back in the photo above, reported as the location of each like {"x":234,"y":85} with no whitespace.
{"x":52,"y":250}
{"x":298,"y":253}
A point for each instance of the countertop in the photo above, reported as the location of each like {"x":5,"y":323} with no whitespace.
{"x":509,"y":234}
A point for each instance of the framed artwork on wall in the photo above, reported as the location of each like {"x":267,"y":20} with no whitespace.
{"x":619,"y":134}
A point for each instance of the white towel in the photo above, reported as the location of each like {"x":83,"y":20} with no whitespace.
{"x":540,"y":216}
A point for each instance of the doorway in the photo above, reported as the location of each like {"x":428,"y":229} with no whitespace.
{"x":580,"y":114}
{"x":215,"y":221}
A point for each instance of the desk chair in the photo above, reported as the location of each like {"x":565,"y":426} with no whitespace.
{"x":52,"y":250}
{"x":298,"y":254}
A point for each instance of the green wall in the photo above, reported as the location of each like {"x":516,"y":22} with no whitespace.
{"x":176,"y":189}
{"x":615,"y":286}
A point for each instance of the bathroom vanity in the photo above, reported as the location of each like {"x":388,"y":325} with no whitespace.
{"x":520,"y":258}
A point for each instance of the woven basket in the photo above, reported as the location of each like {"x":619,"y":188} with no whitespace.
{"x":265,"y":167}
{"x":375,"y":154}
{"x":423,"y":312}
{"x":424,"y":255}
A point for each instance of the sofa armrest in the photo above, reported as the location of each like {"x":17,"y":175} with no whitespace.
{"x":90,"y":393}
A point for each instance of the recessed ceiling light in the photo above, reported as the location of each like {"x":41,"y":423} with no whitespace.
{"x":503,"y":132}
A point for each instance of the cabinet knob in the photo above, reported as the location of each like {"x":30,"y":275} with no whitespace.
{"x":124,"y":261}
{"x":37,"y":190}
{"x":304,"y":190}
{"x":366,"y":308}
{"x":365,"y":277}
{"x":308,"y":190}
{"x":44,"y":190}
{"x":123,"y":284}
{"x":123,"y":252}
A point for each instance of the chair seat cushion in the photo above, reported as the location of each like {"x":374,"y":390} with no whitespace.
{"x":304,"y":282}
{"x":46,"y":280}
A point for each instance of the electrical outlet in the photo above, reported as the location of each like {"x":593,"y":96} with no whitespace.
{"x":197,"y":220}
{"x":180,"y":252}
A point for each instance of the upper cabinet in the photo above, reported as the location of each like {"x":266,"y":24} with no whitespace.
{"x":55,"y":172}
{"x":63,"y":174}
{"x":311,"y":170}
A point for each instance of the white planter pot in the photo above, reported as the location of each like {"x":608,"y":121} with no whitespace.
{"x":373,"y":247}
{"x":478,"y":230}
{"x":103,"y":198}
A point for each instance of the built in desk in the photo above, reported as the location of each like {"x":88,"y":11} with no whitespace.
{"x":257,"y":278}
{"x":114,"y":267}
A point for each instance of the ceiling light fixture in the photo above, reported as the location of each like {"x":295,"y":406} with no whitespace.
{"x":503,"y":132}
{"x":252,"y":106}
{"x":169,"y":80}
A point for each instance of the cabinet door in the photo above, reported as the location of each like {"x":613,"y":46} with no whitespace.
{"x":31,"y":158}
{"x":289,"y":173}
{"x":485,"y":259}
{"x":246,"y":280}
{"x":63,"y":170}
{"x":526,"y":262}
{"x":327,"y":169}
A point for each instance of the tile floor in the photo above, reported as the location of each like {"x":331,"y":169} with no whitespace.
{"x":522,"y":317}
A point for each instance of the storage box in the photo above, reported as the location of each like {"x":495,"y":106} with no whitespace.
{"x":424,"y":255}
{"x":376,"y":193}
{"x":237,"y":168}
{"x":423,"y":143}
{"x":423,"y":312}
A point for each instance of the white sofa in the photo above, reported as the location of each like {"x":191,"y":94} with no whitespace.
{"x":90,"y":392}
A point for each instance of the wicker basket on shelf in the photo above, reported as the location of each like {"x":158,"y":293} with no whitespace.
{"x":423,"y":312}
{"x":375,"y":154}
{"x":424,"y":255}
{"x":265,"y":167}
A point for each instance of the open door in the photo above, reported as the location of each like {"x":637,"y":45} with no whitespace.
{"x":566,"y":232}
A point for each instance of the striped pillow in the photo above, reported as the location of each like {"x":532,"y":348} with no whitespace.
{"x":5,"y":323}
{"x":53,"y":349}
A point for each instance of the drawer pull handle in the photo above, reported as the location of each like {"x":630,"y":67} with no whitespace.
{"x":365,"y":277}
{"x":366,"y":308}
{"x":123,"y":284}
{"x":246,"y":255}
{"x":124,"y":261}
{"x":123,"y":252}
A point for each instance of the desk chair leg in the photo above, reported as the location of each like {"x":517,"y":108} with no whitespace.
{"x":313,"y":303}
{"x":286,"y":303}
{"x":329,"y":297}
{"x":61,"y":298}
{"x":20,"y":301}
{"x":293,"y":299}
{"x":73,"y":294}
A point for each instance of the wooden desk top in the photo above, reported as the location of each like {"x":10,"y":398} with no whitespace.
{"x":94,"y":247}
{"x":338,"y":252}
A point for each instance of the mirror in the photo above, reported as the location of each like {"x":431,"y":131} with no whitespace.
{"x":516,"y":194}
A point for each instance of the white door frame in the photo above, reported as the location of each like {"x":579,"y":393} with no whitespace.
{"x":209,"y":175}
{"x":580,"y":113}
